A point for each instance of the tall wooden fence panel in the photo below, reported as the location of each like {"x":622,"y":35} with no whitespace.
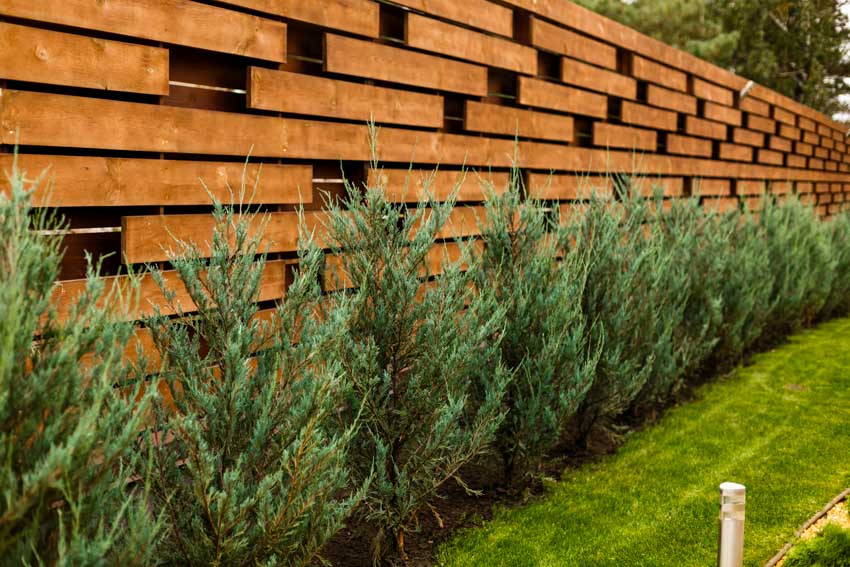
{"x":131,"y":102}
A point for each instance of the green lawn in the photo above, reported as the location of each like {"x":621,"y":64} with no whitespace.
{"x":780,"y":426}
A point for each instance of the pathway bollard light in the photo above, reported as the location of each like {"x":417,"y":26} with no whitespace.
{"x":733,"y":501}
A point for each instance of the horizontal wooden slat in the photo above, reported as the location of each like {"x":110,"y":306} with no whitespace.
{"x":474,"y":13}
{"x":583,"y":75}
{"x":669,"y":186}
{"x":713,"y":187}
{"x":543,"y":94}
{"x":713,"y":93}
{"x":779,"y":144}
{"x":412,"y":185}
{"x":79,"y":181}
{"x":769,"y":156}
{"x":705,"y":128}
{"x":754,"y":106}
{"x":761,"y":124}
{"x":811,"y":138}
{"x":496,"y":119}
{"x":653,"y":72}
{"x":685,"y":145}
{"x":723,"y":114}
{"x":747,"y":137}
{"x":152,"y":238}
{"x":565,"y":42}
{"x":783,"y":116}
{"x":750,"y":187}
{"x":803,"y":149}
{"x":319,"y":96}
{"x":66,"y":293}
{"x":665,"y":98}
{"x":433,"y":35}
{"x":634,"y":113}
{"x":386,"y":63}
{"x":355,"y":16}
{"x":179,"y":22}
{"x":614,"y":136}
{"x":461,"y":223}
{"x":549,"y":187}
{"x":55,"y":58}
{"x":736,"y":152}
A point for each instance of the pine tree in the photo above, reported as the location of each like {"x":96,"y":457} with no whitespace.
{"x":415,"y":348}
{"x":249,"y":467}
{"x":67,"y":432}
{"x":544,"y":342}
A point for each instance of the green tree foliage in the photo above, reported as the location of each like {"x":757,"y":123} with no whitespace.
{"x":248,"y":468}
{"x":794,"y":47}
{"x":544,"y":342}
{"x":67,"y":432}
{"x":414,"y":351}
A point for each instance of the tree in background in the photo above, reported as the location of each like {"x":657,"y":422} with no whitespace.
{"x":794,"y":47}
{"x":67,"y":431}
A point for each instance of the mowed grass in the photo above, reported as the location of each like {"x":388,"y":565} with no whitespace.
{"x":781,"y":426}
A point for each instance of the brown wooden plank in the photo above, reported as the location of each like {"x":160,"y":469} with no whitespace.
{"x":614,"y":136}
{"x":784,"y":116}
{"x":779,"y":144}
{"x":480,"y":14}
{"x":669,"y":186}
{"x":66,"y":293}
{"x":748,"y":137}
{"x":543,"y":94}
{"x":653,"y":72}
{"x":705,"y":128}
{"x":789,"y":132}
{"x":565,"y":42}
{"x":82,"y":181}
{"x":807,"y":124}
{"x":641,"y":115}
{"x":686,"y":145}
{"x":386,"y":63}
{"x":803,"y":149}
{"x":151,"y":238}
{"x":761,"y":124}
{"x":55,"y":58}
{"x":769,"y":156}
{"x":795,"y":161}
{"x":665,"y":98}
{"x":811,"y":138}
{"x":412,"y":185}
{"x":356,"y":16}
{"x":429,"y":34}
{"x":750,"y":187}
{"x":713,"y":93}
{"x":583,"y":75}
{"x":297,"y":93}
{"x":497,"y":119}
{"x":179,"y":22}
{"x":551,"y":187}
{"x":754,"y":106}
{"x":736,"y":153}
{"x":723,"y":114}
{"x":712,"y":187}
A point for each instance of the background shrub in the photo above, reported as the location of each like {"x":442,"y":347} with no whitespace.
{"x":67,"y":432}
{"x":248,"y":469}
{"x":414,"y":350}
{"x":830,"y":548}
{"x":544,"y":344}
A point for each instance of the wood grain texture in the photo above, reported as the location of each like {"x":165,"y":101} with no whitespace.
{"x":711,"y":92}
{"x":666,"y":98}
{"x":495,"y":119}
{"x":154,"y":238}
{"x":429,"y":34}
{"x":705,"y":128}
{"x":723,"y":114}
{"x":179,"y":22}
{"x":412,"y":185}
{"x":82,"y":181}
{"x":568,"y":187}
{"x":150,"y":295}
{"x":480,"y":14}
{"x":356,"y":16}
{"x":544,"y":94}
{"x":642,"y":115}
{"x":653,"y":72}
{"x":583,"y":75}
{"x":686,"y":145}
{"x":56,"y":58}
{"x":614,"y":136}
{"x":565,"y":42}
{"x":319,"y":96}
{"x":369,"y":60}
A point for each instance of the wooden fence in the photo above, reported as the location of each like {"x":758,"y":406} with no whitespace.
{"x":132,"y":101}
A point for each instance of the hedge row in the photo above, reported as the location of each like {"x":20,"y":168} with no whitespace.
{"x":253,"y":438}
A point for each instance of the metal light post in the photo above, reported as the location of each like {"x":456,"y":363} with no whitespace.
{"x":733,"y":501}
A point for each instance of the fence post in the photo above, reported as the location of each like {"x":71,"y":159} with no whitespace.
{"x":733,"y":500}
